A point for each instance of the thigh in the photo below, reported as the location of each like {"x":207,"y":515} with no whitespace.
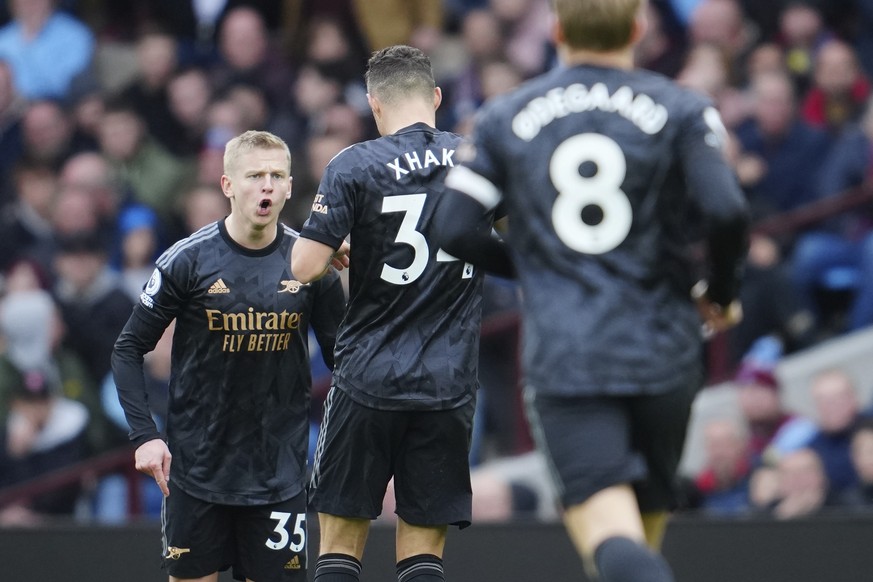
{"x":197,"y":536}
{"x":660,"y":424}
{"x":586,"y":442}
{"x":353,"y":457}
{"x":432,"y":468}
{"x":271,"y":541}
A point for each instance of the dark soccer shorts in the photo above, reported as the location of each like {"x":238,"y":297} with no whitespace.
{"x":427,"y":452}
{"x":261,"y":542}
{"x":594,"y":442}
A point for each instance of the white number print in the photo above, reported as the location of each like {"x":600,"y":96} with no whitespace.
{"x":296,"y":541}
{"x":412,"y":205}
{"x":601,"y":189}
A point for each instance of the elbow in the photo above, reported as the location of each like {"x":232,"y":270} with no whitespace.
{"x":303,"y":271}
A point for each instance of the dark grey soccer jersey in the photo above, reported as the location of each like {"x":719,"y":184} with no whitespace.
{"x":599,"y":171}
{"x":239,"y":390}
{"x":409,"y":340}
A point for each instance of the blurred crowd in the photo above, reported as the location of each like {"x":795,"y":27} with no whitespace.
{"x":113,"y":121}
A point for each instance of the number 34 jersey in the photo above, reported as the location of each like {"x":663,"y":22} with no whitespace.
{"x":605,"y":176}
{"x":410,"y":336}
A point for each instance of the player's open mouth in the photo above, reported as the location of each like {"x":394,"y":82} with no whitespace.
{"x":264,"y":207}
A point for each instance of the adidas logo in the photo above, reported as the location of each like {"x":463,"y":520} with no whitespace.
{"x":293,"y":563}
{"x":219,"y":287}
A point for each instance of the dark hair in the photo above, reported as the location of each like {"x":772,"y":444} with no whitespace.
{"x":399,"y":71}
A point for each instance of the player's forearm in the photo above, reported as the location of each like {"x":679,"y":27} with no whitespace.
{"x":128,"y":373}
{"x":459,"y":229}
{"x":310,"y":260}
{"x":327,"y":313}
{"x":728,"y":246}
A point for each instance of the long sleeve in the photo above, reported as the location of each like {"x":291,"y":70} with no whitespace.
{"x":714,"y":188}
{"x":138,"y":337}
{"x":327,"y":313}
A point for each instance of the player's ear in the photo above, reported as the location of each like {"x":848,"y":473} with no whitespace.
{"x":437,"y":97}
{"x":641,"y":25}
{"x":557,"y":31}
{"x":226,"y":186}
{"x":290,"y":187}
{"x":375,"y":106}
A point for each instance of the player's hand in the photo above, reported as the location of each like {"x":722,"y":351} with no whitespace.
{"x":340,"y":259}
{"x":153,"y":458}
{"x":716,"y":318}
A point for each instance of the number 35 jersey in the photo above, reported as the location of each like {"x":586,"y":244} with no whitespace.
{"x":410,"y":336}
{"x":605,"y":176}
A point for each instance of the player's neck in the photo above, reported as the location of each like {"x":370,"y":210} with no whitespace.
{"x":402,"y":117}
{"x":248,"y":235}
{"x":619,"y":59}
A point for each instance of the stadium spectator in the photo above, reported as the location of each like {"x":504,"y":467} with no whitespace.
{"x":483,"y":42}
{"x":837,"y":410}
{"x":49,"y":134}
{"x":771,"y":304}
{"x":42,"y":428}
{"x":35,"y":332}
{"x":91,"y":174}
{"x":860,"y":496}
{"x":157,"y":60}
{"x":93,"y":303}
{"x":707,"y":70}
{"x":527,"y":40}
{"x":26,"y":224}
{"x":75,"y":211}
{"x":721,"y":487}
{"x":247,"y":56}
{"x":663,"y":46}
{"x":314,"y":92}
{"x":189,"y":92}
{"x":196,"y":24}
{"x":789,"y":148}
{"x":140,"y":240}
{"x":328,"y":45}
{"x":840,"y":90}
{"x":773,"y":431}
{"x":47,"y":49}
{"x":803,"y":488}
{"x":802,"y":33}
{"x":838,"y":253}
{"x":388,"y":22}
{"x":723,"y":23}
{"x":203,"y":205}
{"x":154,"y":176}
{"x":512,"y":488}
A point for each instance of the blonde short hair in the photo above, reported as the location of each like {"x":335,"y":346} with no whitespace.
{"x":598,"y":25}
{"x":252,"y":140}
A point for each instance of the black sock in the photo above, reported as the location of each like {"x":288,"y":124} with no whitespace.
{"x":337,"y":568}
{"x":621,"y":559}
{"x":421,"y":568}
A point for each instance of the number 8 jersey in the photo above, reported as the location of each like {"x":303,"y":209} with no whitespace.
{"x":410,"y":336}
{"x":606,"y":176}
